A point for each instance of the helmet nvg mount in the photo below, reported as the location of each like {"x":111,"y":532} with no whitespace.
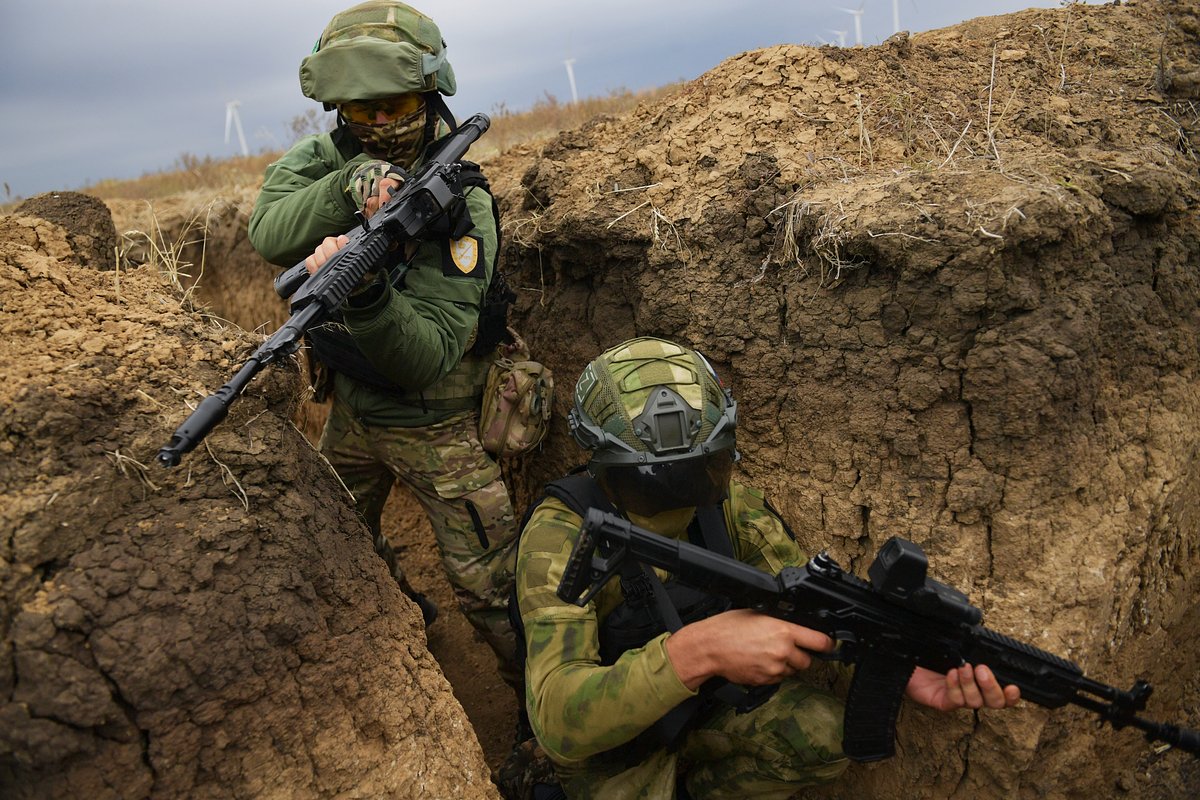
{"x":376,"y":49}
{"x":660,"y":426}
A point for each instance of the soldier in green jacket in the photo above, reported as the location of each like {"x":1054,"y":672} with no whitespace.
{"x":611,"y":694}
{"x":406,"y":361}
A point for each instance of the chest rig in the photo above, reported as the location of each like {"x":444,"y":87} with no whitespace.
{"x":650,"y":607}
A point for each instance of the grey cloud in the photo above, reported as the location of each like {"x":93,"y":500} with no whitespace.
{"x":127,"y":86}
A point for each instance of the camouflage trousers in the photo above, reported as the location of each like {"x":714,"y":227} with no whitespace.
{"x":460,"y":488}
{"x":792,"y":741}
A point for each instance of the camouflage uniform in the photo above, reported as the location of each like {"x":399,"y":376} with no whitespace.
{"x":414,"y":332}
{"x":580,"y":709}
{"x":461,"y":490}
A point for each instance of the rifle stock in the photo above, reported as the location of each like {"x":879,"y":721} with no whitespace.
{"x":899,"y":620}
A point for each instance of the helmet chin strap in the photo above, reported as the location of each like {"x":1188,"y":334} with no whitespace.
{"x":435,"y":101}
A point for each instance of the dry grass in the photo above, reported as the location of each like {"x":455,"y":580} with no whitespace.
{"x":545,"y":119}
{"x":811,"y":231}
{"x":189,"y":173}
{"x":548,"y":117}
{"x":155,"y":248}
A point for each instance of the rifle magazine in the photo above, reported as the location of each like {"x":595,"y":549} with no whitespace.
{"x":876,"y":692}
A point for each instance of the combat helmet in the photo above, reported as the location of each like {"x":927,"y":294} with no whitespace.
{"x":376,"y":49}
{"x":659,"y":425}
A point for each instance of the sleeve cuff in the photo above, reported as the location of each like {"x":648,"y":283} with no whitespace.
{"x":658,"y":665}
{"x":369,"y":296}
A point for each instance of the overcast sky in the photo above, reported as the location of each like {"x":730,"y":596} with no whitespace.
{"x":95,"y":89}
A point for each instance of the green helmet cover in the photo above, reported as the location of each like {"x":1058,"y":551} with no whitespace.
{"x":380,"y":48}
{"x":650,"y":401}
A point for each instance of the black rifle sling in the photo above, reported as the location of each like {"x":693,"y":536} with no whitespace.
{"x":707,"y":530}
{"x":714,"y":536}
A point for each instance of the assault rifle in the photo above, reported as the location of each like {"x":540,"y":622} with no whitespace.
{"x":423,"y":199}
{"x":899,"y":620}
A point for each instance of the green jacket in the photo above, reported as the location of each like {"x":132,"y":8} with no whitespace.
{"x":578,"y":708}
{"x":416,"y":336}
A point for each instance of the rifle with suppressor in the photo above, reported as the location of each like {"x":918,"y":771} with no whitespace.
{"x":423,"y":199}
{"x":899,"y":620}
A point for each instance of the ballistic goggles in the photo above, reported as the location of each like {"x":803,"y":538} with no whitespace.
{"x":383,"y":110}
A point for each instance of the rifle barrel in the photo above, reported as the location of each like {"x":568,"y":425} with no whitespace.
{"x":208,"y":414}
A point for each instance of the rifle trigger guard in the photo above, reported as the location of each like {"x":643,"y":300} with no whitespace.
{"x":845,"y":649}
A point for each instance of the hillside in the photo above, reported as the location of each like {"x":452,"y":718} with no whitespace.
{"x":951,"y":280}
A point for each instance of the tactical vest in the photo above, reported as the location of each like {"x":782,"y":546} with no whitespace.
{"x":650,"y":608}
{"x":333,"y":345}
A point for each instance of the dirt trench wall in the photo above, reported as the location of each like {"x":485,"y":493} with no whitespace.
{"x":221,"y":629}
{"x":952,"y":282}
{"x":203,"y":236}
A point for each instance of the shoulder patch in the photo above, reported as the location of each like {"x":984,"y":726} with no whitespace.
{"x":464,"y":258}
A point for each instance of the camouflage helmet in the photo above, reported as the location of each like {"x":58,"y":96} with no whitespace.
{"x":376,"y":49}
{"x":659,"y":424}
{"x":649,"y":401}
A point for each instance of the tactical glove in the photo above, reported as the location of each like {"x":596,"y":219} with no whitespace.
{"x":364,"y":181}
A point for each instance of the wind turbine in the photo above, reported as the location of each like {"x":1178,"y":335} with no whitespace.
{"x":896,"y":14}
{"x":857,"y":23}
{"x":571,"y":77}
{"x":841,"y":37}
{"x":232,"y":117}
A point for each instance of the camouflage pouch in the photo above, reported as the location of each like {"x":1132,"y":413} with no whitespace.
{"x":516,"y":400}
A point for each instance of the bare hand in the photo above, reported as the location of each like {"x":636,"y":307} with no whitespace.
{"x":743,"y":646}
{"x":324,"y":251}
{"x":385,"y":189}
{"x":963,"y":687}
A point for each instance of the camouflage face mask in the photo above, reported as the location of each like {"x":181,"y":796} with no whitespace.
{"x":398,"y":142}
